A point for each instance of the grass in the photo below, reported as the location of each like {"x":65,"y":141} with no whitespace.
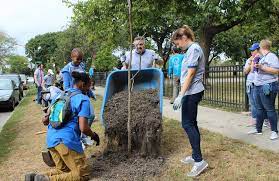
{"x":9,"y":131}
{"x":228,"y":159}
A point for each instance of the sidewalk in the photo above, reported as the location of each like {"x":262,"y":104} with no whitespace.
{"x":232,"y":125}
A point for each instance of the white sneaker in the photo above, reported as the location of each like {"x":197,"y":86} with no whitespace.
{"x":273,"y":135}
{"x":266,"y":123}
{"x":254,"y":131}
{"x":198,"y":168}
{"x":188,"y":160}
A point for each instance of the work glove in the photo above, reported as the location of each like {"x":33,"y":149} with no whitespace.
{"x":94,"y":97}
{"x":96,"y":138}
{"x":177,"y":102}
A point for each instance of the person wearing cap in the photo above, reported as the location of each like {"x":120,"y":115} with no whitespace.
{"x":248,"y":70}
{"x":174,"y":71}
{"x":49,"y":79}
{"x":266,"y":88}
{"x":141,"y":58}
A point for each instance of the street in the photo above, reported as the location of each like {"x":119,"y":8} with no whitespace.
{"x":4,"y":116}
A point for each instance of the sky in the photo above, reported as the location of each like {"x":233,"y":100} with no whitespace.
{"x":24,"y":19}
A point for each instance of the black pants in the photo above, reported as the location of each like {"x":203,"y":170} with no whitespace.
{"x":189,"y":123}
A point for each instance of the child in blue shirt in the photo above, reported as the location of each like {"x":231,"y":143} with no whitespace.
{"x":174,"y":71}
{"x":75,"y":65}
{"x":64,"y":143}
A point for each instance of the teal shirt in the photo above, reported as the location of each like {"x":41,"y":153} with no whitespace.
{"x":175,"y":65}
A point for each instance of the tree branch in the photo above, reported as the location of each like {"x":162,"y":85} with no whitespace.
{"x":226,"y":26}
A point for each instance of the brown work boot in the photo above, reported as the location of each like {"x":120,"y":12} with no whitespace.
{"x":41,"y":178}
{"x":29,"y":177}
{"x":47,"y":158}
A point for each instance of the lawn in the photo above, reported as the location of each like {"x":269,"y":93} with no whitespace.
{"x":228,"y":159}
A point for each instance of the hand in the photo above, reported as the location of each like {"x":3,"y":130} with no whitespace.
{"x":259,"y":66}
{"x":251,"y":58}
{"x":96,"y":138}
{"x":94,"y":97}
{"x":177,"y":102}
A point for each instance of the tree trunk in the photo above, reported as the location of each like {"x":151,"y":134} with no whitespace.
{"x":160,"y":47}
{"x":205,"y":42}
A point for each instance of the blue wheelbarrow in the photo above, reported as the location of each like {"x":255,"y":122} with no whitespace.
{"x":117,"y":81}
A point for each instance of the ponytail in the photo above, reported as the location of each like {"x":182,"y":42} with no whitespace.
{"x":80,"y":76}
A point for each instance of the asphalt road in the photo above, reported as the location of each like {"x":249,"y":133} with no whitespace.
{"x":4,"y":116}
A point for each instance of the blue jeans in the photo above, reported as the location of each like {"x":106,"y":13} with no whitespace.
{"x":39,"y":94}
{"x":189,"y":123}
{"x":266,"y":103}
{"x":252,"y":100}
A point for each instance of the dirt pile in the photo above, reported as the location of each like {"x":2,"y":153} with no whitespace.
{"x":119,"y":166}
{"x":146,"y":122}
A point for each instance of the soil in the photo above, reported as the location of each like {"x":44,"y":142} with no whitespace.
{"x":119,"y":166}
{"x":146,"y":122}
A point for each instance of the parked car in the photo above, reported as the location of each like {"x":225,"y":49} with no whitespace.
{"x":30,"y":80}
{"x":16,"y":78}
{"x":24,"y":79}
{"x":9,"y":94}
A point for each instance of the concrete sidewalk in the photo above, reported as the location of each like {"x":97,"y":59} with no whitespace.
{"x":232,"y":125}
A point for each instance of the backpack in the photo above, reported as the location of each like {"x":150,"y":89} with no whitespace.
{"x":60,"y":110}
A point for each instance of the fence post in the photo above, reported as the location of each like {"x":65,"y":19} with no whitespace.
{"x":246,"y":101}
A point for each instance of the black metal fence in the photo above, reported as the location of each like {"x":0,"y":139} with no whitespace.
{"x":225,"y":87}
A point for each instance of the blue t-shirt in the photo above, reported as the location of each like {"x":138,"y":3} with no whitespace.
{"x":49,"y":80}
{"x":194,"y":58}
{"x":261,"y":77}
{"x":67,"y":74}
{"x":70,"y":133}
{"x":175,"y":65}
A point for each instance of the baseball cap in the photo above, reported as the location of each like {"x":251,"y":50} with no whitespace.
{"x":50,"y":71}
{"x":254,"y":47}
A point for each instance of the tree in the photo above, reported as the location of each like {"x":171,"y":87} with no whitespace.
{"x":105,"y":61}
{"x":18,"y":64}
{"x":42,"y":47}
{"x":107,"y":20}
{"x":7,"y":46}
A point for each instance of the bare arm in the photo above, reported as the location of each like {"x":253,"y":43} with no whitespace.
{"x":267,"y":69}
{"x":248,"y":69}
{"x":84,"y":127}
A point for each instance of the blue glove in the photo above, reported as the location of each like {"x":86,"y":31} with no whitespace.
{"x":177,"y":102}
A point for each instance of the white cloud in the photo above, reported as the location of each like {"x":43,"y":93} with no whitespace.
{"x":23,"y":19}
